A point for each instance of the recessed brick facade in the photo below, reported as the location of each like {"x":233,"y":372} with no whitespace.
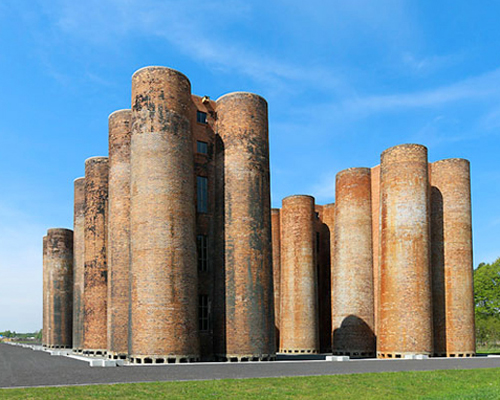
{"x":276,"y":248}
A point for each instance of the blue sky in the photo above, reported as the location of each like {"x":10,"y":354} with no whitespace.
{"x":344,"y":81}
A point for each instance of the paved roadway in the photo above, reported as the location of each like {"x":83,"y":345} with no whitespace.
{"x":22,"y":367}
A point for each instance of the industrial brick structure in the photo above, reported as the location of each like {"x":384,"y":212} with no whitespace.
{"x":176,"y":255}
{"x":299,"y":324}
{"x":95,"y":289}
{"x":352,"y":278}
{"x":118,"y":248}
{"x":451,"y":227}
{"x":78,"y":261}
{"x":59,"y":288}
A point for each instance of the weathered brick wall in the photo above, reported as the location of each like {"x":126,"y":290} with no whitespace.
{"x":328,"y":243}
{"x":45,"y":294}
{"x":405,"y":297}
{"x":78,"y":261}
{"x":323,"y":270}
{"x":163,"y":249}
{"x":246,"y":326}
{"x":352,"y":280}
{"x":299,"y":328}
{"x":204,"y":166}
{"x":452,"y":268}
{"x":95,"y":270}
{"x":118,"y":254}
{"x":375,"y":188}
{"x":276,"y":248}
{"x":59,"y":261}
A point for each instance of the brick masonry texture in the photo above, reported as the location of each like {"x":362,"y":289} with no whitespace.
{"x":78,"y":260}
{"x":323,"y":270}
{"x":352,"y":277}
{"x":299,"y":325}
{"x":46,"y":293}
{"x":244,"y":295}
{"x":95,"y":278}
{"x":452,"y":269}
{"x":375,"y":189}
{"x":162,"y":219}
{"x":204,"y":166}
{"x":59,"y":261}
{"x":276,"y":248}
{"x":118,"y":248}
{"x":186,"y":260}
{"x":327,"y":265}
{"x":405,"y":313}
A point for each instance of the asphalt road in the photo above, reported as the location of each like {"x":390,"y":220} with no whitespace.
{"x":23,"y":367}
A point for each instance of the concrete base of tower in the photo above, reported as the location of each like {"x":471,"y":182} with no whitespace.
{"x":299,"y":351}
{"x":94,"y":352}
{"x":115,"y":355}
{"x":245,"y":357}
{"x":354,"y":353}
{"x":163,"y":359}
{"x":406,"y":355}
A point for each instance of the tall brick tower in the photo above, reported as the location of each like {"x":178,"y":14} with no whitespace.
{"x":95,"y":278}
{"x":164,"y":282}
{"x":45,"y":294}
{"x":59,"y":260}
{"x":118,"y":248}
{"x":78,"y":261}
{"x":405,"y":312}
{"x":299,"y":329}
{"x":352,"y":277}
{"x":452,"y":270}
{"x":244,"y":295}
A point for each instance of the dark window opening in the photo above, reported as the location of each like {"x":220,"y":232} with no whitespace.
{"x":204,"y":312}
{"x":202,"y":147}
{"x":317,"y":242}
{"x":202,"y":194}
{"x":202,"y":244}
{"x":201,"y":117}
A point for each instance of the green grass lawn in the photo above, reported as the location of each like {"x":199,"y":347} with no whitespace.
{"x":457,"y":384}
{"x":488,"y":350}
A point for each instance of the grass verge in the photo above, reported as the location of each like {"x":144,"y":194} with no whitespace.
{"x":450,"y":384}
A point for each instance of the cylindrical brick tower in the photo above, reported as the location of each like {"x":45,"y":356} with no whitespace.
{"x":299,"y":331}
{"x":95,"y":291}
{"x":164,"y":323}
{"x":59,"y":260}
{"x":78,"y":262}
{"x":244,"y":295}
{"x":352,"y":278}
{"x":452,"y":269}
{"x":45,"y":295}
{"x":405,"y":312}
{"x":118,"y":248}
{"x":375,"y":188}
{"x":276,"y":243}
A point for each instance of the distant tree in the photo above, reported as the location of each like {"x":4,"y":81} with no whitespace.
{"x":487,"y":290}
